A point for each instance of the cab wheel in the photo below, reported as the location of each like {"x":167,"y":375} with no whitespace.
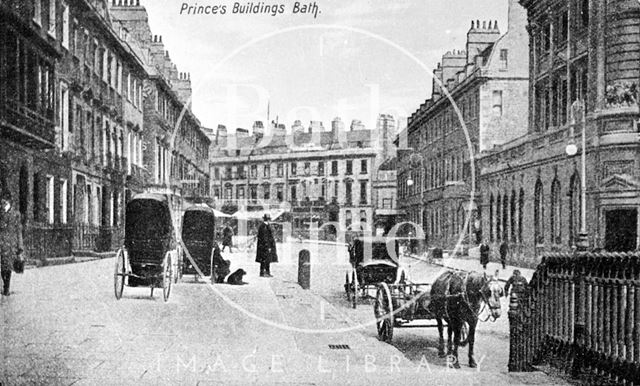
{"x":119,"y":274}
{"x":166,"y":276}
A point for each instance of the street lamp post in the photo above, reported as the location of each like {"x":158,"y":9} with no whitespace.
{"x":571,"y":150}
{"x":414,"y":159}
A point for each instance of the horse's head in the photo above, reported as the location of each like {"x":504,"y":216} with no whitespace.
{"x":492,"y":292}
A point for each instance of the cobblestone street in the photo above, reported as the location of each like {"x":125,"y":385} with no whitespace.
{"x":62,"y":325}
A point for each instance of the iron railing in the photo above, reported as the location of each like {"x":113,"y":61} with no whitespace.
{"x":581,"y":314}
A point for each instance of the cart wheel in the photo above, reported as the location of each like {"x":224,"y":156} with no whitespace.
{"x":464,"y":334}
{"x":176,"y":274}
{"x":166,"y":277}
{"x":383,"y":312}
{"x":119,"y":274}
{"x":354,"y":284}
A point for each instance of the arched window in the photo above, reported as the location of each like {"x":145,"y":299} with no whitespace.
{"x":491,"y":202}
{"x":538,"y":213}
{"x":556,"y":212}
{"x":574,"y":208}
{"x":498,"y":219}
{"x":513,"y":216}
{"x":520,"y":214}
{"x":505,"y":218}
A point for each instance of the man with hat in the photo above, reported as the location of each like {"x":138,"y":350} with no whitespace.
{"x":266,"y":250}
{"x":11,"y":246}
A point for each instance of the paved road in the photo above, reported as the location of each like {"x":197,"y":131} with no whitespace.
{"x":62,"y":325}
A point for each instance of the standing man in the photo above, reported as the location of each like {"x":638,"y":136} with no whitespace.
{"x":266,"y":251}
{"x":484,"y":254}
{"x":11,"y":246}
{"x":504,"y":251}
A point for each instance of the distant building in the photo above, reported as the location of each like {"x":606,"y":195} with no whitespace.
{"x":488,"y":85}
{"x":309,"y":175}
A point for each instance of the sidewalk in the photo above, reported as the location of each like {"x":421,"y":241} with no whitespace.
{"x":473,"y":265}
{"x":75,"y":258}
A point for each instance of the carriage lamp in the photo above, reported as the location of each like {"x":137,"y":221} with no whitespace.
{"x":409,"y":182}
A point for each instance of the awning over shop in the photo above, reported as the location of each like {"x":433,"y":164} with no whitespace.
{"x":258,"y":214}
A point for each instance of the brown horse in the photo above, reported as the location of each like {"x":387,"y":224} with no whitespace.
{"x":457,"y":297}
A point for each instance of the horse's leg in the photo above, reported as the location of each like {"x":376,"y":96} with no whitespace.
{"x":456,"y":326}
{"x":472,"y":338}
{"x":441,"y":353}
{"x":449,"y":332}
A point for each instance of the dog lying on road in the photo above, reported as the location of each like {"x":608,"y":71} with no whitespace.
{"x":236,"y":277}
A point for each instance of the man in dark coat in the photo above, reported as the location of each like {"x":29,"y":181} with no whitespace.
{"x":517,"y":283}
{"x":504,"y":251}
{"x":266,"y":250}
{"x":227,"y":238}
{"x":11,"y":246}
{"x":484,"y":254}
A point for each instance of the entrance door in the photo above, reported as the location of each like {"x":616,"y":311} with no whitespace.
{"x":622,"y":230}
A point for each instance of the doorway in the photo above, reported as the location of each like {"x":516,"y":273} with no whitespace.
{"x":621,"y":230}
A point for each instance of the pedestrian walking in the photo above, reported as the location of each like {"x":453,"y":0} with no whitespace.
{"x":11,"y":246}
{"x":504,"y":252}
{"x":484,"y":254}
{"x":266,"y":251}
{"x":227,"y":238}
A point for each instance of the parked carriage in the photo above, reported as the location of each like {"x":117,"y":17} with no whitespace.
{"x":373,"y":260}
{"x":150,"y":247}
{"x":198,"y":240}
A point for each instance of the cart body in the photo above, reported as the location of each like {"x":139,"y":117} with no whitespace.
{"x":373,"y":260}
{"x":149,"y":245}
{"x":198,"y":238}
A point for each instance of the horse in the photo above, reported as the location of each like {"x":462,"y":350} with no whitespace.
{"x":457,"y":297}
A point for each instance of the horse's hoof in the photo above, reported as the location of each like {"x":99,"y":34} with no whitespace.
{"x":441,"y":354}
{"x":473,"y":364}
{"x":456,"y":365}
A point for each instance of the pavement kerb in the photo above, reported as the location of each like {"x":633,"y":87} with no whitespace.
{"x":53,"y":261}
{"x":451,"y":266}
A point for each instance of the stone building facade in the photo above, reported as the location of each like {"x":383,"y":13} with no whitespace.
{"x":176,"y":149}
{"x":580,"y":52}
{"x":314,"y":175}
{"x":100,"y":121}
{"x":479,"y":101}
{"x":37,"y":176}
{"x":89,"y":99}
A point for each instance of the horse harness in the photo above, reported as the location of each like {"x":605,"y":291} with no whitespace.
{"x":465,"y":299}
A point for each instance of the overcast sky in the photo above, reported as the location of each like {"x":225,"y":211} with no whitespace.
{"x":240,"y":64}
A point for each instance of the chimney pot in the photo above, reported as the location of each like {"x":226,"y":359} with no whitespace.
{"x":495,"y":25}
{"x":490,"y":25}
{"x":472,"y":25}
{"x":484,"y":24}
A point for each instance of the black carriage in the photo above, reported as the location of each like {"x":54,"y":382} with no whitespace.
{"x":198,"y":240}
{"x":373,"y":260}
{"x":150,"y":247}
